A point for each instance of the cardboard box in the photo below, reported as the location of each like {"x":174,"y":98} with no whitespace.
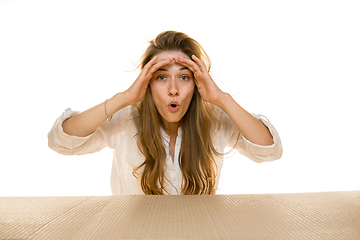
{"x":333,"y":215}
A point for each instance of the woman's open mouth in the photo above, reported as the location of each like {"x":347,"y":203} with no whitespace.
{"x":173,"y":107}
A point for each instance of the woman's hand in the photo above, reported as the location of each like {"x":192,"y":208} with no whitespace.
{"x":137,"y":90}
{"x":207,"y":88}
{"x":253,"y":129}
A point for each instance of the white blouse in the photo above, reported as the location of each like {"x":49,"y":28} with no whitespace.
{"x":119,"y":135}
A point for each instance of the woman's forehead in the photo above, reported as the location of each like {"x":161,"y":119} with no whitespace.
{"x":173,"y":66}
{"x":169,"y":54}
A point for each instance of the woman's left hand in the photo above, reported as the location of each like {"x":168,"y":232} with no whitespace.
{"x":207,"y":88}
{"x":252,"y":129}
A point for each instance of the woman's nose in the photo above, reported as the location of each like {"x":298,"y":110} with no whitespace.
{"x":173,"y":88}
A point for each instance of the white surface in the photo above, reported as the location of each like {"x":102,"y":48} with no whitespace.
{"x":296,"y":62}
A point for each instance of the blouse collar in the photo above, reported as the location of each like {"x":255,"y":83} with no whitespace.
{"x":166,"y":137}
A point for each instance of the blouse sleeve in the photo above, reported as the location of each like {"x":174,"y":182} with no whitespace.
{"x":66,"y":144}
{"x":255,"y":152}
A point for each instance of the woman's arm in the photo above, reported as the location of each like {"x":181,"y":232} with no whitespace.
{"x":87,"y":122}
{"x":251,"y":128}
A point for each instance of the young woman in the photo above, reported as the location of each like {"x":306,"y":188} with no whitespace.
{"x":169,"y":129}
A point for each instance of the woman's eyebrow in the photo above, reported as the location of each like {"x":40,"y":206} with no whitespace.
{"x":184,"y":68}
{"x":161,"y":69}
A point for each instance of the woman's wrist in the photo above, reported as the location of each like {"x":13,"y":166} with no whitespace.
{"x":224,"y":100}
{"x":117,"y":102}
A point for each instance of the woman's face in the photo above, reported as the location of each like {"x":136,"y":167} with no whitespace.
{"x":172,"y":88}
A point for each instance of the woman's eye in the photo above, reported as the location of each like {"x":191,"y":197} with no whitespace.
{"x":184,"y":78}
{"x":161,"y":77}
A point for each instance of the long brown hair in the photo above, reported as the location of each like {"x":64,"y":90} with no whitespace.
{"x":197,"y":152}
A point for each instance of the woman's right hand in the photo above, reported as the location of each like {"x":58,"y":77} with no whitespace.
{"x":87,"y":122}
{"x":137,"y":90}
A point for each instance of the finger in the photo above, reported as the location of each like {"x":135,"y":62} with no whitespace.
{"x":151,"y":63}
{"x":159,"y":64}
{"x":199,"y":63}
{"x":189,"y":64}
{"x":151,"y":67}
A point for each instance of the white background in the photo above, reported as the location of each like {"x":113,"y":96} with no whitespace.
{"x":296,"y":62}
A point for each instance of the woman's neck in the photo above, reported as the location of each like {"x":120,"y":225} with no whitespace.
{"x":171,"y":128}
